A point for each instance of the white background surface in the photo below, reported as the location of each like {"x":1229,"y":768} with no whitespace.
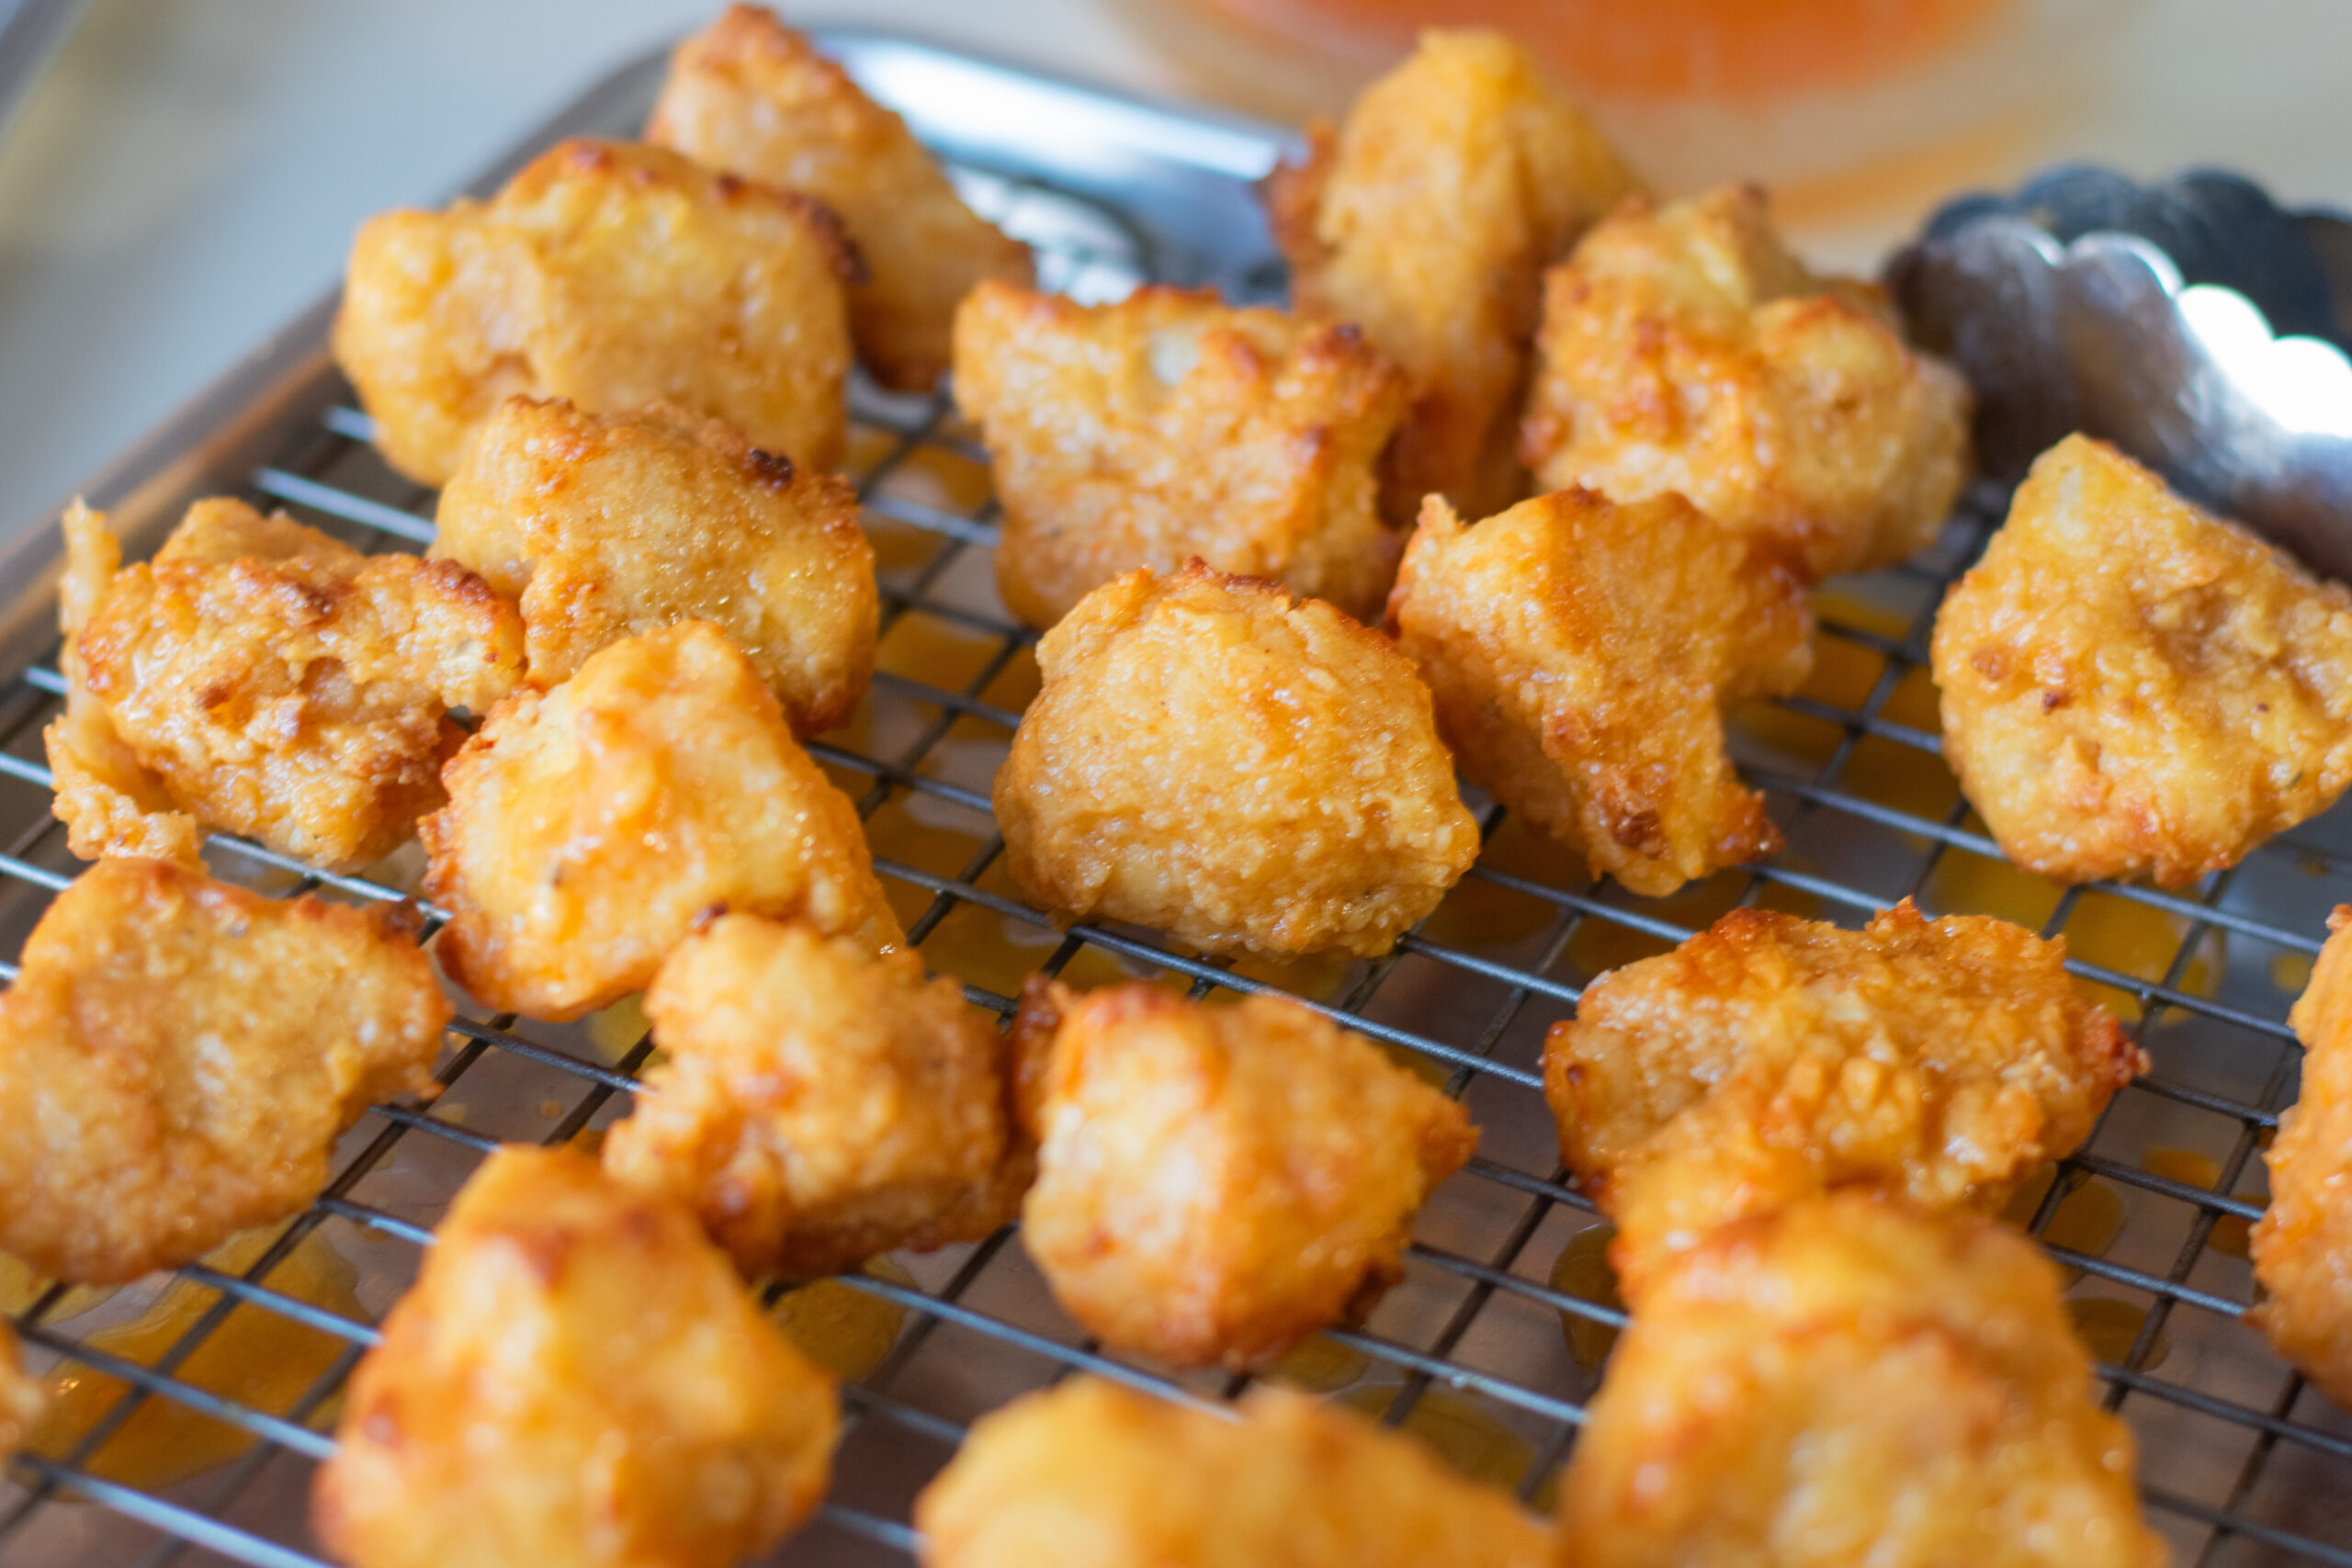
{"x":189,"y":172}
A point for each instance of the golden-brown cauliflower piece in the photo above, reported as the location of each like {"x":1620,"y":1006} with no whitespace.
{"x":589,"y":828}
{"x":1770,"y":1057}
{"x":1685,"y":349}
{"x":1090,"y":1474}
{"x":1216,"y":1183}
{"x":1428,"y":221}
{"x":263,"y":677}
{"x":1581,"y":653}
{"x":821,"y":1104}
{"x":603,"y":526}
{"x":577,"y":1377}
{"x":749,"y":94}
{"x":1238,"y":768}
{"x":1172,"y":425}
{"x":2133,"y":687}
{"x":611,"y":274}
{"x":20,"y":1396}
{"x":1848,"y":1383}
{"x":2302,"y":1245}
{"x":182,"y":1055}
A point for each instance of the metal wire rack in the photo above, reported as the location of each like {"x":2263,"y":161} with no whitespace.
{"x":184,"y":1453}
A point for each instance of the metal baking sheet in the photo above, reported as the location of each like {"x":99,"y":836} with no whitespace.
{"x":204,"y":1399}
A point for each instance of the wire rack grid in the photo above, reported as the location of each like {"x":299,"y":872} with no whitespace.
{"x":1488,"y":1349}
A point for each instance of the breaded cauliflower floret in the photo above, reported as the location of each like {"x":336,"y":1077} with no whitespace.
{"x":20,"y":1396}
{"x":2132,"y":687}
{"x":181,"y":1056}
{"x":749,"y":94}
{"x":1093,"y":1474}
{"x":1684,"y":349}
{"x":1846,"y":1384}
{"x":1770,"y":1057}
{"x":1216,"y":1183}
{"x":263,"y":677}
{"x":1428,"y":219}
{"x":819,"y":1104}
{"x":611,"y":274}
{"x":1236,"y":767}
{"x":1170,"y":425}
{"x":1582,"y":654}
{"x":2302,"y":1245}
{"x":603,"y":526}
{"x":589,"y":828}
{"x":577,"y":1377}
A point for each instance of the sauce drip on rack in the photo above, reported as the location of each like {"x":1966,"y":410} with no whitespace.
{"x":255,"y":1357}
{"x":841,"y":1328}
{"x":2232,"y":1233}
{"x":1463,"y":1432}
{"x":1322,"y":1365}
{"x":2088,"y":1218}
{"x":1582,"y":1270}
{"x":2110,"y":1327}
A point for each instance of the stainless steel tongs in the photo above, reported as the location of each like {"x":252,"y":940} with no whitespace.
{"x":2193,"y":322}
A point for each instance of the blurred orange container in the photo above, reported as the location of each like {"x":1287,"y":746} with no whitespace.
{"x":1734,"y":51}
{"x":1697,"y":91}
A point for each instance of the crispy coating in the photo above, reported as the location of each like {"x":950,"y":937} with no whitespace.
{"x":1685,"y":349}
{"x":1848,"y":1382}
{"x":181,"y":1057}
{"x":108,"y":801}
{"x":749,"y":94}
{"x":1216,"y":1183}
{"x":1770,"y":1057}
{"x":611,"y":274}
{"x":577,"y":1377}
{"x":1428,"y":219}
{"x":2302,"y":1245}
{"x":263,"y":677}
{"x":821,"y":1104}
{"x":1238,"y":768}
{"x":1090,"y":1474}
{"x":2133,"y":687}
{"x":1172,"y":425}
{"x":589,"y":826}
{"x":1581,"y":653}
{"x":20,"y":1396}
{"x":604,"y":526}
